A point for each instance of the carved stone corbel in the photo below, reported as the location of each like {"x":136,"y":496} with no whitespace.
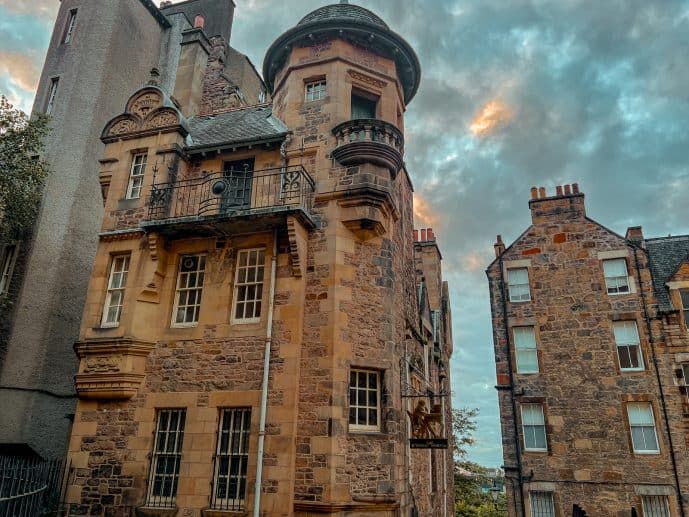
{"x":298,"y":239}
{"x":154,"y":269}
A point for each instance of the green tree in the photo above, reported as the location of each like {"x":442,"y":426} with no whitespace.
{"x":472,"y":481}
{"x":21,"y":171}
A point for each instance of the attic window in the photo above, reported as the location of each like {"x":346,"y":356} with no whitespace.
{"x":684,"y":296}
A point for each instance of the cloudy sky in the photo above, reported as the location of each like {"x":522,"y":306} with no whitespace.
{"x":515,"y":93}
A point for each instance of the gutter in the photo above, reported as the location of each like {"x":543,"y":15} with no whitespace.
{"x":266,"y":373}
{"x":651,"y":341}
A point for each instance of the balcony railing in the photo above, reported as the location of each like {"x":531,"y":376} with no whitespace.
{"x":231,"y":193}
{"x":369,"y":140}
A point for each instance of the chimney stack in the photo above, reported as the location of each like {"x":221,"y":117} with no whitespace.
{"x":499,"y":247}
{"x":424,"y":235}
{"x":567,"y":203}
{"x":635,"y":234}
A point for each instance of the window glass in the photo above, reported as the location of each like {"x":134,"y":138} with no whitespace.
{"x":316,"y":90}
{"x":232,"y":459}
{"x":364,"y":400}
{"x":248,"y":290}
{"x":518,"y":285}
{"x":50,"y":106}
{"x":114,"y":298}
{"x":525,"y":347}
{"x":363,"y":107}
{"x":533,"y":427}
{"x":616,"y":278}
{"x":628,"y":345}
{"x":136,"y":176}
{"x":542,"y":504}
{"x":642,"y":426}
{"x":166,"y":458}
{"x":190,"y":278}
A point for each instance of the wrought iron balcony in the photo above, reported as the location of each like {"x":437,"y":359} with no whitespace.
{"x":215,"y":197}
{"x":369,"y":141}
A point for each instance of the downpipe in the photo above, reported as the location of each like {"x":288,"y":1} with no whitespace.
{"x":266,"y":375}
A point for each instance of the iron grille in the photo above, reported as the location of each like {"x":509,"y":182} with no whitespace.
{"x":656,"y":506}
{"x":167,"y":454}
{"x":231,"y":460}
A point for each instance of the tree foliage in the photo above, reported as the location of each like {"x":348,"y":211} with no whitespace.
{"x":21,"y":171}
{"x":472,"y":481}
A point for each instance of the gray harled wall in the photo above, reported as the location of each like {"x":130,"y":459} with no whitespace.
{"x":114,"y":46}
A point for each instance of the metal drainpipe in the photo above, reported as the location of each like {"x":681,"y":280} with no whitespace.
{"x":651,"y":341}
{"x":508,"y":351}
{"x":266,"y":374}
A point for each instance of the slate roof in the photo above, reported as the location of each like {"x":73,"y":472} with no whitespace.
{"x":667,"y":253}
{"x":339,"y":12}
{"x":247,"y":125}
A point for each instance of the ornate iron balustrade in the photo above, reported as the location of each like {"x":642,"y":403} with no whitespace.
{"x":232,"y":193}
{"x":369,"y":140}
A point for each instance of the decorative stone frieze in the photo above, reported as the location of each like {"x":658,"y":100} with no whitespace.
{"x":111,"y":369}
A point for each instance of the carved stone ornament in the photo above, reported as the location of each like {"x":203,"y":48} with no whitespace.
{"x":367,"y":79}
{"x":145,"y":112}
{"x":101,"y":364}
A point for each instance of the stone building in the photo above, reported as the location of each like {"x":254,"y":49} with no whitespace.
{"x":263,"y":331}
{"x":592,"y":356}
{"x":99,"y":53}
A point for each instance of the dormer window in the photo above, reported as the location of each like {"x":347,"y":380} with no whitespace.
{"x":684,"y":296}
{"x":363,"y":105}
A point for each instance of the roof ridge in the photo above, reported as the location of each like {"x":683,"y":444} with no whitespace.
{"x":232,"y":110}
{"x":669,"y":237}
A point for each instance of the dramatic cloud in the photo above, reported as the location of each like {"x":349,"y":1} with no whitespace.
{"x":567,"y":91}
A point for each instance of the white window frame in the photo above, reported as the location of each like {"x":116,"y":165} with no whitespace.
{"x":613,"y":284}
{"x":684,"y":292}
{"x":247,"y":276}
{"x":355,"y":389}
{"x":69,"y":30}
{"x":8,"y":257}
{"x":527,"y":427}
{"x":183,"y":290}
{"x":525,"y":346}
{"x":655,"y":506}
{"x":136,"y":175}
{"x":52,"y":94}
{"x":548,"y":502}
{"x":518,"y":287}
{"x":117,"y":284}
{"x":626,"y":344}
{"x":167,"y":446}
{"x":315,"y":90}
{"x":234,"y":431}
{"x":685,"y":378}
{"x":648,"y":424}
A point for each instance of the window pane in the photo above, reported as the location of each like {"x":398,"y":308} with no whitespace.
{"x":189,"y":289}
{"x":626,"y":332}
{"x":249,"y":284}
{"x":615,"y":268}
{"x":640,"y":414}
{"x":656,"y":506}
{"x":518,"y":276}
{"x":524,"y":337}
{"x":527,"y":361}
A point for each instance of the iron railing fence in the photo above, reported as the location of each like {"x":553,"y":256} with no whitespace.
{"x":30,"y":487}
{"x":231,"y":192}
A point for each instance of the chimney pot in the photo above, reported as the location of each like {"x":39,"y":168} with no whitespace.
{"x":199,"y":22}
{"x":575,"y":188}
{"x":423,"y":235}
{"x":541,"y":192}
{"x":416,"y":235}
{"x":568,"y":190}
{"x":534,"y":193}
{"x":558,"y":189}
{"x":499,"y":246}
{"x":431,"y":236}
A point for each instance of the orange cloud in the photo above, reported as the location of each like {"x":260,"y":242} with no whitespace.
{"x":20,"y":70}
{"x":424,"y":216}
{"x":494,"y":115}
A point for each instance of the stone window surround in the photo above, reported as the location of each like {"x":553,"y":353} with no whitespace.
{"x":674,"y":288}
{"x":629,"y":398}
{"x":516,"y":264}
{"x":202,"y":423}
{"x":548,"y":430}
{"x":313,"y":81}
{"x":540,"y":486}
{"x":618,"y":254}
